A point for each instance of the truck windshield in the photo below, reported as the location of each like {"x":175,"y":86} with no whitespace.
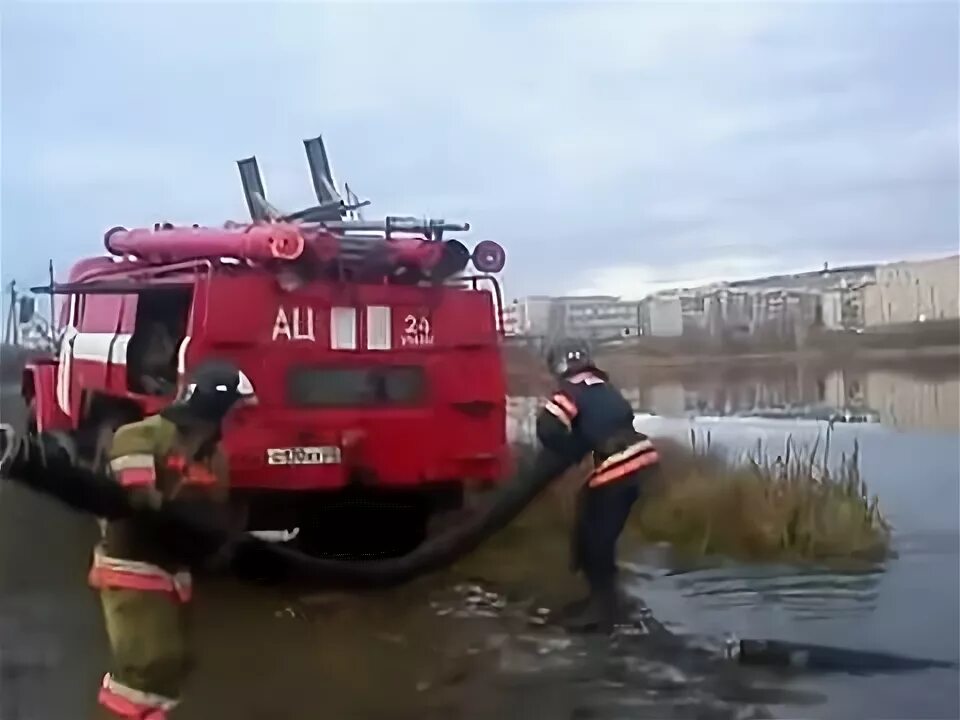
{"x":356,"y":386}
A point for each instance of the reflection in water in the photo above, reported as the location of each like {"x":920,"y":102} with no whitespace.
{"x":896,"y":399}
{"x":901,"y":400}
{"x":893,"y":398}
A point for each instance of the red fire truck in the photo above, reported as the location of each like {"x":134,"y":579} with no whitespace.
{"x":373,"y":349}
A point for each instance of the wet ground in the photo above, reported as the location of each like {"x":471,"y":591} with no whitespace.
{"x":467,"y":644}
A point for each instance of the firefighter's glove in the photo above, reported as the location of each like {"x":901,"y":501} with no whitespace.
{"x":22,"y":454}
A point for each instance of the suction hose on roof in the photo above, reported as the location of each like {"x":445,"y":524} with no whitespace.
{"x":44,"y":464}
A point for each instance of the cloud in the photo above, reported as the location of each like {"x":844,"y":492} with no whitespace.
{"x":613,"y":145}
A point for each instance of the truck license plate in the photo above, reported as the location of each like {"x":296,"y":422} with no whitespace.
{"x":303,"y":456}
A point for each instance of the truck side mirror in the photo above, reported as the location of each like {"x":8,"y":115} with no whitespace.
{"x":27,"y":309}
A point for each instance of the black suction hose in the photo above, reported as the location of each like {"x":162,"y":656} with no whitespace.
{"x":826,"y":658}
{"x":434,"y":554}
{"x":42,"y":463}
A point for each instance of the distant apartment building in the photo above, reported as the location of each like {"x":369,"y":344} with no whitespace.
{"x":780,"y":307}
{"x":920,"y":291}
{"x":693,"y":310}
{"x":594,"y":317}
{"x":661,"y":316}
{"x":727,"y":310}
{"x":775,"y":312}
{"x":600,"y":317}
{"x":528,"y":315}
{"x":511,"y":320}
{"x":843,"y":307}
{"x":784,"y":306}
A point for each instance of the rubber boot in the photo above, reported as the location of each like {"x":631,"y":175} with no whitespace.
{"x":600,"y":614}
{"x":570,"y":610}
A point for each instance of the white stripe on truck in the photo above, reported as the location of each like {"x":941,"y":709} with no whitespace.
{"x":378,"y":327}
{"x":343,"y":328}
{"x":101,"y":347}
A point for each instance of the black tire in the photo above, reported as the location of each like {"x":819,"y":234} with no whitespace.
{"x":358,"y":529}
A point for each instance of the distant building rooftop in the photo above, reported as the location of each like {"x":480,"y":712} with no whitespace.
{"x":780,"y":279}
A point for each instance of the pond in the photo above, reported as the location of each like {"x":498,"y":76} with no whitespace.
{"x":462,"y":644}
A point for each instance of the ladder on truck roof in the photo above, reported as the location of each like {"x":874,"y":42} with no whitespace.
{"x":333,"y":212}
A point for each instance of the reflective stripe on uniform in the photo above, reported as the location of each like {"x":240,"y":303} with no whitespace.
{"x":566,"y":403}
{"x":135,"y":470}
{"x":639,"y":455}
{"x":128,"y":702}
{"x":110,"y":572}
{"x":559,"y":413}
{"x":562,"y":408}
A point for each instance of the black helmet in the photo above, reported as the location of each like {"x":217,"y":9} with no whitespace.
{"x":211,"y":390}
{"x":569,"y":356}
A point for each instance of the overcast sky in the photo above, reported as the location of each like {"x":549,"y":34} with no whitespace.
{"x":610,"y":148}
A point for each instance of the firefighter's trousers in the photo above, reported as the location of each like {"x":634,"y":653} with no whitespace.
{"x":602,"y":513}
{"x":150,"y":653}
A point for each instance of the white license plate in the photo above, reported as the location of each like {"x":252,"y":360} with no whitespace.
{"x":303,"y":456}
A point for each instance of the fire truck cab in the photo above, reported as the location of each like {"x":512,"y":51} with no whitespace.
{"x":374,"y":354}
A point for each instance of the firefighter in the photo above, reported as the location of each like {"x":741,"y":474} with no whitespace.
{"x":172,"y":457}
{"x":586,"y":416}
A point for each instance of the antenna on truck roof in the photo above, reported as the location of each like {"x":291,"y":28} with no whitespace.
{"x":353,"y":200}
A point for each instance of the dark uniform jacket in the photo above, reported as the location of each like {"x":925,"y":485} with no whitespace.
{"x":587,"y":414}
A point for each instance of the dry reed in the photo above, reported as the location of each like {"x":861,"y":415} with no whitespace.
{"x":790,"y":507}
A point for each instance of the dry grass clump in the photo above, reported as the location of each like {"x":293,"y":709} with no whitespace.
{"x":756,"y":506}
{"x":793,"y":508}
